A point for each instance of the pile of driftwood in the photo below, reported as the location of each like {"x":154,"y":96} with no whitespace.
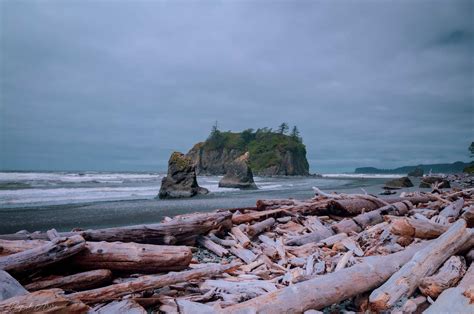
{"x":335,"y":252}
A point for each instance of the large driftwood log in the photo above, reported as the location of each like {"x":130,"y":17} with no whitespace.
{"x":49,"y":253}
{"x":133,"y":257}
{"x":129,"y":257}
{"x":456,"y":300}
{"x":248,"y":217}
{"x":80,"y":281}
{"x":468,"y":216}
{"x":352,"y":206}
{"x":332,"y":288}
{"x":124,"y":306}
{"x":180,"y":230}
{"x":361,"y":221}
{"x":424,"y":263}
{"x":423,"y":229}
{"x":321,"y":233}
{"x":259,"y":227}
{"x":148,"y":282}
{"x":43,"y":301}
{"x":448,"y":276}
{"x":9,"y":287}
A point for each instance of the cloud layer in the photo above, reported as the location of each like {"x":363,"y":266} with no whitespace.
{"x":118,"y":85}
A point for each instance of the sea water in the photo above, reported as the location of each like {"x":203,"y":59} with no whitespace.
{"x":66,"y":200}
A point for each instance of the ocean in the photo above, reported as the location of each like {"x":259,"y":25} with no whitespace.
{"x":65,"y":200}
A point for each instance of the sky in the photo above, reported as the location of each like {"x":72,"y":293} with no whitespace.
{"x":119,"y":85}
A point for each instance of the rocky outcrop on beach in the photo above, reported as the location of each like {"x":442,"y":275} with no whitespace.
{"x":238,"y":174}
{"x":403,"y":182}
{"x":427,"y":182}
{"x":271,"y":154}
{"x":181,"y":178}
{"x":417,"y":172}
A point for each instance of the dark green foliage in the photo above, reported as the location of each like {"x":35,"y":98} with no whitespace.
{"x":283,"y":128}
{"x":265,"y":147}
{"x":471,"y":149}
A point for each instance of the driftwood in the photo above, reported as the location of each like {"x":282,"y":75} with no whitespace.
{"x":9,"y":287}
{"x":329,"y":289}
{"x":148,"y":282}
{"x":243,"y":218}
{"x":130,"y":257}
{"x":352,"y":206}
{"x":417,"y":228}
{"x":133,"y":257}
{"x":49,"y":253}
{"x":79,"y":281}
{"x":447,"y":276}
{"x":180,"y":230}
{"x":212,"y":246}
{"x":468,"y":216}
{"x":321,"y":233}
{"x":124,"y":306}
{"x":404,"y":282}
{"x":456,"y":300}
{"x":257,"y":228}
{"x":43,"y":301}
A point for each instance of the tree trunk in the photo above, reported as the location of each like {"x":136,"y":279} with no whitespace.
{"x":43,"y":301}
{"x":257,"y":228}
{"x":243,"y":218}
{"x":49,"y":253}
{"x":425,"y":262}
{"x":148,"y":282}
{"x":80,"y":281}
{"x":212,"y":246}
{"x":315,"y":236}
{"x":448,"y":276}
{"x":417,"y":228}
{"x":133,"y":257}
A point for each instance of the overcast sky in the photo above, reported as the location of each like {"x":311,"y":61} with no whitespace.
{"x":119,"y":85}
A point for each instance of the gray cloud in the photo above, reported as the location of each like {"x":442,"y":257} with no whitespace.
{"x":118,"y":85}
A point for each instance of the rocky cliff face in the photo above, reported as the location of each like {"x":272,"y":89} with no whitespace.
{"x":239,"y":175}
{"x":272,"y":155}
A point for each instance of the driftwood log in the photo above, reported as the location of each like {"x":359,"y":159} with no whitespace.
{"x":425,"y":262}
{"x":129,"y":257}
{"x":148,"y":282}
{"x":43,"y":301}
{"x":9,"y":287}
{"x":49,"y":253}
{"x":423,"y":229}
{"x":76,"y":282}
{"x":459,"y":299}
{"x":447,"y":276}
{"x":180,"y":230}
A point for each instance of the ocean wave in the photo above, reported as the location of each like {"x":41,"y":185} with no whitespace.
{"x":362,"y":175}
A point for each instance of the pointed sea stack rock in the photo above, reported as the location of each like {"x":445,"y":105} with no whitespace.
{"x":181,"y":179}
{"x":403,"y":182}
{"x":238,"y":174}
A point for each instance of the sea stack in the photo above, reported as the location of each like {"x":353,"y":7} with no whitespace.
{"x":181,"y":178}
{"x":238,"y":174}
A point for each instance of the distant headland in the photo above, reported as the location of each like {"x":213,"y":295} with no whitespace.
{"x":454,"y":167}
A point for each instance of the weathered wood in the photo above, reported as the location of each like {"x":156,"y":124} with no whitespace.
{"x":179,"y":230}
{"x":347,"y":225}
{"x":43,"y":301}
{"x":9,"y":287}
{"x":129,"y":257}
{"x":133,"y":257}
{"x":15,"y":246}
{"x":451,"y":212}
{"x":212,"y":246}
{"x":328,"y":289}
{"x":321,"y":233}
{"x":459,"y":299}
{"x":448,"y":276}
{"x":352,"y":206}
{"x":79,"y":281}
{"x":468,"y":216}
{"x":49,"y":253}
{"x":260,"y":227}
{"x":243,"y":218}
{"x":417,"y":228}
{"x":374,"y":217}
{"x":124,"y":306}
{"x":245,"y":255}
{"x":240,"y":236}
{"x":148,"y":282}
{"x":265,"y":204}
{"x":425,"y":262}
